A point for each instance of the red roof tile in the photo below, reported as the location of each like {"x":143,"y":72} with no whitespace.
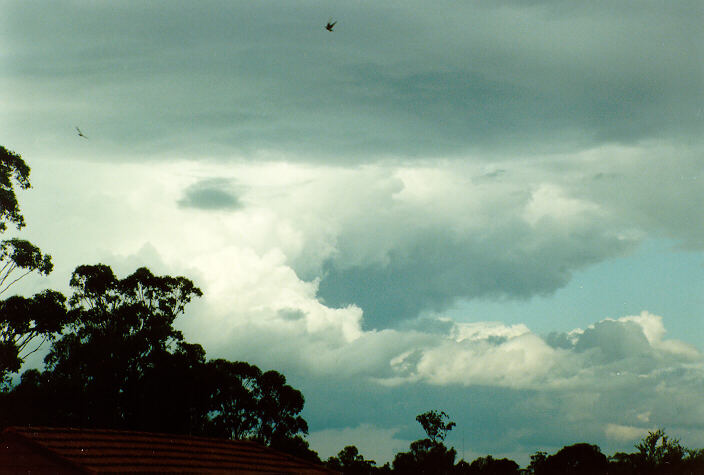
{"x":93,"y":451}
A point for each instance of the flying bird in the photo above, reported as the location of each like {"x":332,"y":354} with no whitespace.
{"x":80,"y":134}
{"x":330,"y":25}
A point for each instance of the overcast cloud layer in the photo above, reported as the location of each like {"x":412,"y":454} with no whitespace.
{"x":342,"y":197}
{"x":409,"y":79}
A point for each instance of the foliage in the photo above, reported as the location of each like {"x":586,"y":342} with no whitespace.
{"x":427,"y":457}
{"x":17,"y":330}
{"x":22,"y":320}
{"x":20,"y":254}
{"x":577,"y":459}
{"x":122,"y":365}
{"x":434,"y":425}
{"x":658,"y":454}
{"x":537,"y":462}
{"x":657,"y":449}
{"x":121,"y":332}
{"x":13,"y":170}
{"x":246,"y":403}
{"x":350,"y":461}
{"x":488,"y":466}
{"x":430,"y":455}
{"x":296,"y":445}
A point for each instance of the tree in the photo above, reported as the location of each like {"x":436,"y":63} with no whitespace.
{"x":426,"y":457}
{"x":434,"y":425}
{"x":537,"y":462}
{"x":656,"y":450}
{"x":13,"y":170}
{"x":18,"y":330}
{"x":122,"y":365}
{"x":172,"y":395}
{"x":489,"y":466}
{"x":232,"y":398}
{"x":658,"y":454}
{"x":120,"y":336}
{"x":350,"y":461}
{"x":23,"y":321}
{"x":278,"y":409}
{"x":297,"y":446}
{"x":429,"y":455}
{"x":693,"y":462}
{"x":18,"y":254}
{"x":245,"y":402}
{"x":577,"y":459}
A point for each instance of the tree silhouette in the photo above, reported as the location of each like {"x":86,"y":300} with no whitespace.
{"x":430,"y":455}
{"x":20,"y":334}
{"x":121,"y":332}
{"x":245,"y":402}
{"x":657,"y":454}
{"x":657,"y":449}
{"x":350,"y":461}
{"x":576,"y":459}
{"x":13,"y":170}
{"x":434,"y":425}
{"x":122,"y":365}
{"x":488,"y":466}
{"x":24,"y":320}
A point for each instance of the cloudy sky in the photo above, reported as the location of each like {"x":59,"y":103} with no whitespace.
{"x":492,"y":208}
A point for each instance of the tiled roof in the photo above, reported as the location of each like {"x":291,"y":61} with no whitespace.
{"x":92,"y":451}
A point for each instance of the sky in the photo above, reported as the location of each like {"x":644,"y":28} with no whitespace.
{"x":490,"y":208}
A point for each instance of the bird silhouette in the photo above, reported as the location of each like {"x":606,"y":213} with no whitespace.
{"x":330,"y":25}
{"x":80,"y":134}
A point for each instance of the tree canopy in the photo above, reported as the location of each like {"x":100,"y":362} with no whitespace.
{"x":434,"y":425}
{"x":123,"y":365}
{"x":23,"y":319}
{"x":488,"y":466}
{"x":350,"y":461}
{"x":13,"y":171}
{"x":429,"y":455}
{"x":656,"y":454}
{"x":25,"y":324}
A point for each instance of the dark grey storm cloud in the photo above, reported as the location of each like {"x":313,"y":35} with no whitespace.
{"x":210,"y":194}
{"x":395,"y":78}
{"x":435,"y":271}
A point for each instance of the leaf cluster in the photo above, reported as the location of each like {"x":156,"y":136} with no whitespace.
{"x":434,"y":425}
{"x":13,"y":170}
{"x":22,"y":320}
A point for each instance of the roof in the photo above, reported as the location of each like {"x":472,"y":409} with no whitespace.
{"x":95,"y":451}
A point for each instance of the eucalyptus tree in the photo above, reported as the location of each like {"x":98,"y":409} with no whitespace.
{"x":121,"y":364}
{"x":21,"y":332}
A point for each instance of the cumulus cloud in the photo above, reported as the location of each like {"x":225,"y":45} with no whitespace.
{"x":625,"y":433}
{"x":263,"y":270}
{"x":582,"y":392}
{"x":391,"y":240}
{"x":515,"y":363}
{"x":608,"y":352}
{"x":438,"y":235}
